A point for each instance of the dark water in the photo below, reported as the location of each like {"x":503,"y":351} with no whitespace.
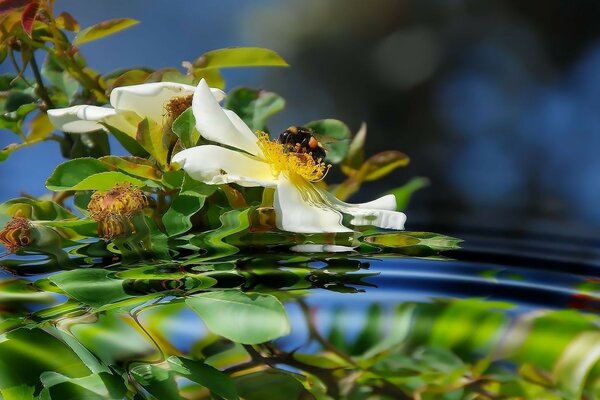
{"x":504,"y":316}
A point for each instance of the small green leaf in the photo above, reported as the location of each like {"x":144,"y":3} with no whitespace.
{"x":434,"y":241}
{"x":240,"y":57}
{"x":136,"y":166}
{"x":40,"y":128}
{"x":128,"y":140}
{"x":129,"y":77}
{"x":190,"y":200}
{"x":272,"y":385}
{"x":21,"y":392}
{"x":185,"y":129}
{"x":91,"y":286}
{"x":55,"y":73}
{"x":213,"y":379}
{"x":150,"y":136}
{"x":255,"y":107}
{"x":16,"y":99}
{"x":334,"y":135}
{"x":86,"y":174}
{"x":405,"y":192}
{"x":244,"y":318}
{"x":381,"y":164}
{"x":103,"y":29}
{"x":67,"y":22}
{"x":101,"y":181}
{"x":356,"y":151}
{"x":35,"y":210}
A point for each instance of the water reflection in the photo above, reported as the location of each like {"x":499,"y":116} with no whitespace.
{"x":372,"y":325}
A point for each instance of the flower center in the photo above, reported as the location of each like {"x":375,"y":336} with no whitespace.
{"x":177,"y":105}
{"x":283,"y":158}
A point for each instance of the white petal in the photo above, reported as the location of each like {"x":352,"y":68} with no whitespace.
{"x":387,"y":202}
{"x":379,"y":212}
{"x":149,"y":99}
{"x":79,"y":119}
{"x":219,"y":125}
{"x":301,"y":208}
{"x":321,"y":248}
{"x":216,"y":165}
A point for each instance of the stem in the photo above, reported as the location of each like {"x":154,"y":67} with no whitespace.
{"x":325,"y":375}
{"x":314,"y":333}
{"x":41,"y":89}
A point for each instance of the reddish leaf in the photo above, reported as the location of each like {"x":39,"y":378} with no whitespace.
{"x":28,"y":16}
{"x":9,"y":5}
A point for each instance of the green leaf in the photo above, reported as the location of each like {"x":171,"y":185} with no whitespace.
{"x":87,"y":174}
{"x":576,"y":362}
{"x":213,"y":379}
{"x":21,"y":392}
{"x":136,"y":166}
{"x":157,"y":379}
{"x":272,"y":385}
{"x":334,"y":135}
{"x":356,"y":151}
{"x":185,"y":129}
{"x":250,"y":318}
{"x":39,"y":128}
{"x":17,"y":99}
{"x":130,"y":77}
{"x":405,"y":192}
{"x":91,"y":286}
{"x":150,"y":136}
{"x":95,"y":386}
{"x":100,"y":181}
{"x":103,"y":29}
{"x":255,"y":107}
{"x":240,"y":57}
{"x":35,"y":210}
{"x":381,"y":164}
{"x":93,"y":144}
{"x":55,"y":73}
{"x":433,"y":241}
{"x":27,"y":353}
{"x":190,"y":200}
{"x":127,"y":138}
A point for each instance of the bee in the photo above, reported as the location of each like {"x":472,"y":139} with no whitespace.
{"x":302,"y":140}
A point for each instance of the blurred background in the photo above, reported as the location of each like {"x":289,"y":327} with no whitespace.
{"x":496,"y":102}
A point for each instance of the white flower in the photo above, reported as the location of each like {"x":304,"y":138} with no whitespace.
{"x":130,"y":105}
{"x":300,"y":206}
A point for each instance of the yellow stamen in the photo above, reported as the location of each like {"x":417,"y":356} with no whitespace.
{"x":177,"y":105}
{"x":281,"y":159}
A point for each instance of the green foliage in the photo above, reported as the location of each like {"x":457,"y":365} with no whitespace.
{"x":191,"y":198}
{"x":103,"y":29}
{"x":253,"y":318}
{"x":185,"y":129}
{"x":239,"y":57}
{"x":255,"y":107}
{"x":87,"y":174}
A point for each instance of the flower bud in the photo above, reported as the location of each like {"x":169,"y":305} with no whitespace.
{"x":16,"y":234}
